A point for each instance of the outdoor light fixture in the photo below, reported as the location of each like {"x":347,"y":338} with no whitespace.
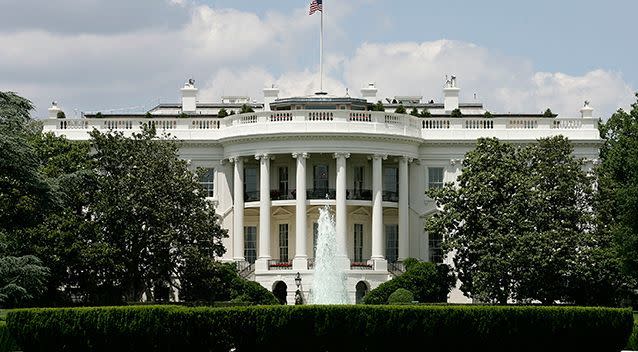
{"x":298,"y":280}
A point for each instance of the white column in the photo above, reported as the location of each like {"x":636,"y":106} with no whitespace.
{"x":377,"y":213}
{"x":238,"y":210}
{"x":404,"y":227}
{"x":300,"y":262}
{"x":264,"y":212}
{"x":341,"y":213}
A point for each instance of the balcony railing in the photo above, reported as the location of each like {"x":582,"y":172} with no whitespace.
{"x":278,"y":264}
{"x":321,"y":193}
{"x":363,"y":265}
{"x":359,"y":194}
{"x":276,"y":194}
{"x":334,"y":121}
{"x":390,"y":196}
{"x":251,"y":196}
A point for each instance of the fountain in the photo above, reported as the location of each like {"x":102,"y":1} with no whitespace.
{"x":329,"y":286}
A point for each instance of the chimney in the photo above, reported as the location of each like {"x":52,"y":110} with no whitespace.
{"x":369,"y":93}
{"x":270,"y":95}
{"x":586,"y":111}
{"x":54,"y":110}
{"x":189,"y":97}
{"x":451,"y":94}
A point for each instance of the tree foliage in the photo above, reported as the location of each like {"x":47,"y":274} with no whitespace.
{"x":456,"y":113}
{"x":400,"y":110}
{"x":617,"y":203}
{"x":520,"y":223}
{"x":151,"y":215}
{"x":414,"y":112}
{"x":378,"y":106}
{"x":245,"y":109}
{"x":22,"y":280}
{"x":222,"y":113}
{"x":548,"y":113}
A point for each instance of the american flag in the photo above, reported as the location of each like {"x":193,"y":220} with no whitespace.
{"x":316,"y":5}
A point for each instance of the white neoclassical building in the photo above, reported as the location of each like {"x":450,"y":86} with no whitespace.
{"x":269,"y":172}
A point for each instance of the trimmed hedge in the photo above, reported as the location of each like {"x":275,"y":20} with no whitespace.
{"x":401,"y":296}
{"x":7,"y":343}
{"x":322,"y":328}
{"x":428,"y":282}
{"x":632,"y":343}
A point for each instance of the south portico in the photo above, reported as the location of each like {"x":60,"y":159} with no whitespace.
{"x":354,"y":190}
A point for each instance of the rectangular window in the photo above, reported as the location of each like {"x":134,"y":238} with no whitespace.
{"x":315,"y":235}
{"x":435,"y":251}
{"x":321,"y":180}
{"x":358,"y":180}
{"x":283,"y":182}
{"x":251,"y":193}
{"x":392,"y":243}
{"x":207,"y":181}
{"x":435,"y":177}
{"x":283,"y":242}
{"x":358,"y":242}
{"x":250,"y":243}
{"x":391,"y":184}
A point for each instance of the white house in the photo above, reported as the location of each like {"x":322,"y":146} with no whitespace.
{"x":270,"y":170}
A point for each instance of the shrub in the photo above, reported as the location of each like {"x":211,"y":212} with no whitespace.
{"x":321,"y":328}
{"x":7,"y":343}
{"x":632,"y":344}
{"x":428,"y":282}
{"x":61,"y":115}
{"x":401,"y":296}
{"x":408,"y":263}
{"x":456,"y":113}
{"x":548,"y":113}
{"x":488,"y":115}
{"x":400,"y":110}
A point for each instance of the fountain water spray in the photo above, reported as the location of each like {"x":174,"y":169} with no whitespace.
{"x":329,"y":285}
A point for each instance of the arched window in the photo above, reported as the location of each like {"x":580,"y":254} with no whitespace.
{"x":362,"y":290}
{"x":280,"y":290}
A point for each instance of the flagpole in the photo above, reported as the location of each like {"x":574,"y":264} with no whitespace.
{"x":321,"y":54}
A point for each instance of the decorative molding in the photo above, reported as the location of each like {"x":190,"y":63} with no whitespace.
{"x":300,"y":155}
{"x":378,"y":156}
{"x":340,"y":154}
{"x":265,"y":157}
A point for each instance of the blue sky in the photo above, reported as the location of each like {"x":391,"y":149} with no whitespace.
{"x":517,"y":56}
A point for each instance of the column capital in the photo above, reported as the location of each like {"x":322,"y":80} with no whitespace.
{"x":378,"y":157}
{"x":301,"y":155}
{"x":263,"y":157}
{"x":342,"y":155}
{"x":235,"y":159}
{"x":406,"y":158}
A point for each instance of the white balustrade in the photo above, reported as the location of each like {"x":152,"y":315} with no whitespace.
{"x":328,"y":121}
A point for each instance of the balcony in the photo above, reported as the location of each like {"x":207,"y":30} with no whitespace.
{"x":276,"y":194}
{"x":359,"y":194}
{"x":278,"y":264}
{"x":251,"y":196}
{"x":321,"y":193}
{"x":363,"y":265}
{"x":390,"y":196}
{"x":304,"y":122}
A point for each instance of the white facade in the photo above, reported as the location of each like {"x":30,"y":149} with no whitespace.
{"x":374,"y":167}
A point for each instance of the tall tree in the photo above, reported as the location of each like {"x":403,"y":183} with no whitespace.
{"x":519,"y":221}
{"x":617,"y":203}
{"x":150,"y":211}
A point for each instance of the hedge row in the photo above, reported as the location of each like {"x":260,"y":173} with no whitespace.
{"x":322,"y":328}
{"x":7,"y":344}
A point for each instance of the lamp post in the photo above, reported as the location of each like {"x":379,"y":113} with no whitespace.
{"x":298,"y":295}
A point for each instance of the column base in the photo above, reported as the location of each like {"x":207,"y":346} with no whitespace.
{"x":380,"y":264}
{"x":342,"y":262}
{"x":261,"y":264}
{"x":300,"y":263}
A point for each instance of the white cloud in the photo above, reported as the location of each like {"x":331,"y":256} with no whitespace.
{"x":504,"y":84}
{"x":238,"y":53}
